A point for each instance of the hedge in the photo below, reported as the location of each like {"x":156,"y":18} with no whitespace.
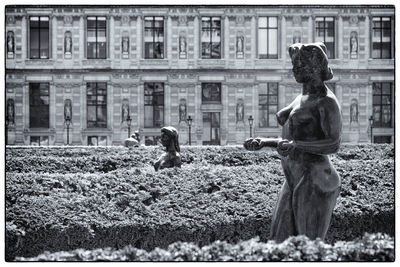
{"x":372,"y":247}
{"x":220,"y":193}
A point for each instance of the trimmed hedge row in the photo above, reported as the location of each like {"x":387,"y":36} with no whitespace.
{"x":372,"y":247}
{"x":202,"y":202}
{"x":106,"y":159}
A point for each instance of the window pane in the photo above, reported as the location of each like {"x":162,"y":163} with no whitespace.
{"x":377,"y":99}
{"x":262,"y":42}
{"x":386,"y":50}
{"x":386,"y":88}
{"x":272,"y":120}
{"x":35,"y":140}
{"x":44,"y":140}
{"x":273,"y":99}
{"x":262,"y":22}
{"x":102,"y":140}
{"x":272,"y":22}
{"x":376,"y":88}
{"x":205,"y":22}
{"x":102,"y":50}
{"x":263,"y":99}
{"x":273,"y":42}
{"x":386,"y":117}
{"x":34,"y":43}
{"x":377,"y":114}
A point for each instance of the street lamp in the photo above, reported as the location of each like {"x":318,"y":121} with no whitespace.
{"x":129,"y":122}
{"x":251,"y":120}
{"x":371,"y":122}
{"x":68,"y":123}
{"x":189,"y":121}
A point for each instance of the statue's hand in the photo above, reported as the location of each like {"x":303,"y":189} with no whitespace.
{"x":253,"y":144}
{"x":285,"y":147}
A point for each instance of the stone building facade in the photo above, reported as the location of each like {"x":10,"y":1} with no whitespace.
{"x":100,"y":66}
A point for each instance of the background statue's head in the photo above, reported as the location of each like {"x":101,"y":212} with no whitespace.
{"x":310,"y":63}
{"x":170,"y":139}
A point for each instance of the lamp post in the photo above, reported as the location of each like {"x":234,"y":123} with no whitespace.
{"x":251,"y":120}
{"x":189,"y":121}
{"x":68,"y":123}
{"x":129,"y":123}
{"x":371,"y":122}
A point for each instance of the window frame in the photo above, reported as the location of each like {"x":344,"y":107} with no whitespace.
{"x":391,"y":52}
{"x":267,"y":106}
{"x":324,"y":28}
{"x":96,"y":37}
{"x":33,"y":105}
{"x":153,"y":28}
{"x":380,"y":122}
{"x":268,"y":29}
{"x":30,"y":36}
{"x":210,"y":29}
{"x":205,"y":101}
{"x":96,"y":124}
{"x":153,"y":104}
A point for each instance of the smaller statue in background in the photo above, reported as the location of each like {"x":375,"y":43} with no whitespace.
{"x":171,"y":157}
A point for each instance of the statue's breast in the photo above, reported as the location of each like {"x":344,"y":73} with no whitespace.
{"x":304,"y":123}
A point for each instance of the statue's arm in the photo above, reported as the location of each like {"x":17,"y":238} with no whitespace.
{"x":331,"y":125}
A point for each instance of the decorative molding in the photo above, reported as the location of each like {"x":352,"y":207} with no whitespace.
{"x":10,"y":20}
{"x":297,"y":20}
{"x":68,"y":20}
{"x":125,"y":20}
{"x":182,"y":20}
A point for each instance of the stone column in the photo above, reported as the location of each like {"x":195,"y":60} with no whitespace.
{"x":283,"y":38}
{"x":169,"y":41}
{"x":52,"y":106}
{"x":196,"y":47}
{"x":82,"y":47}
{"x":340,"y":37}
{"x":139,"y":39}
{"x":198,"y":116}
{"x":111,"y":40}
{"x":141,"y":105}
{"x":24,"y":38}
{"x":253,"y":40}
{"x":25,"y":106}
{"x":367,"y":38}
{"x":226,"y":40}
{"x":310,"y":29}
{"x":53,"y":38}
{"x":167,"y":104}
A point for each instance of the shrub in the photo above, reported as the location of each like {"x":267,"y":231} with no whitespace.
{"x":220,"y":193}
{"x":372,"y":247}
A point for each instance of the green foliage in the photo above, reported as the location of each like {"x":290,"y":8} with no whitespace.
{"x":371,"y":247}
{"x":63,"y":198}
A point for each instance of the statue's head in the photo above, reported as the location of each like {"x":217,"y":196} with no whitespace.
{"x":310,"y":62}
{"x":170,"y":139}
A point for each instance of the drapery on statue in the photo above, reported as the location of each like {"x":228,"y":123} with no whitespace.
{"x":171,"y":157}
{"x":311,"y":130}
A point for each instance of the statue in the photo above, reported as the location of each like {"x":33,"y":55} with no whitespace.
{"x":182,"y":110}
{"x":67,"y":109}
{"x":296,"y":37}
{"x":239,"y":110}
{"x":354,"y":111}
{"x":10,"y":42}
{"x":311,"y":130}
{"x":353,"y":45}
{"x":133,"y":141}
{"x":239,"y":46}
{"x":171,"y":157}
{"x":68,"y":43}
{"x":125,"y":44}
{"x":124,"y":110}
{"x":182,"y":44}
{"x":10,"y":111}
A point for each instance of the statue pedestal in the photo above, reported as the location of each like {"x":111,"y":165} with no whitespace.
{"x":10,"y":55}
{"x":182,"y":55}
{"x":239,"y":55}
{"x":125,"y":55}
{"x":68,"y":55}
{"x":353,"y":55}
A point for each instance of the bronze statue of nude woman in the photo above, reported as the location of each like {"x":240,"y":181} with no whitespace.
{"x":311,"y":129}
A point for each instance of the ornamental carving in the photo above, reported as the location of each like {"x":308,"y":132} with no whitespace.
{"x":10,"y":19}
{"x":125,"y":20}
{"x":182,"y":20}
{"x":67,"y":20}
{"x":353,"y":20}
{"x":297,"y":20}
{"x":239,"y":20}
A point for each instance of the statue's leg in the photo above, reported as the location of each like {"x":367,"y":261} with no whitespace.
{"x":313,"y":205}
{"x":282,"y":225}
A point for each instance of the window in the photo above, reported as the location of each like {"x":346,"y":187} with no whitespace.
{"x":39,"y":37}
{"x":211,"y":92}
{"x":268,"y":37}
{"x":39,"y":141}
{"x":153,"y":37}
{"x":39,"y":105}
{"x":268,"y":105}
{"x":96,"y":105}
{"x":96,"y":37}
{"x":97,"y":141}
{"x":382,"y":104}
{"x":211,"y":128}
{"x":325,"y":32}
{"x":153,"y":105}
{"x":211,"y":37}
{"x":383,"y":139}
{"x":381,"y":37}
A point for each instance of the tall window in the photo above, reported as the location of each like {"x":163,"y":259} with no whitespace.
{"x":39,"y":37}
{"x":39,"y":105}
{"x":268,"y":37}
{"x":153,"y":105}
{"x":325,"y":32}
{"x":381,"y":37}
{"x":211,"y":92}
{"x":96,"y":37}
{"x":382,"y":104}
{"x":211,"y":37}
{"x":268,"y":105}
{"x":154,"y":37}
{"x":96,"y":105}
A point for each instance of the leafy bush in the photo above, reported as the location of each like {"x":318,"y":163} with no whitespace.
{"x":91,"y":197}
{"x":372,"y":247}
